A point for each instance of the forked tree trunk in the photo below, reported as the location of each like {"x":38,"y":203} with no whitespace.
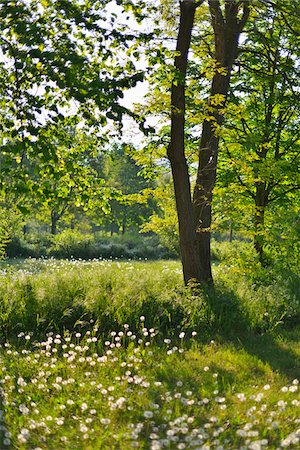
{"x":187,"y":235}
{"x":194,"y":219}
{"x":227,"y":28}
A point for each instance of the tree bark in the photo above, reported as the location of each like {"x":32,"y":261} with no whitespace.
{"x":124,"y":222}
{"x":54,"y":220}
{"x":227,"y":28}
{"x":261,"y":201}
{"x":187,"y":235}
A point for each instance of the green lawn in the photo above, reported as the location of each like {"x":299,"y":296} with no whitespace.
{"x":110,"y":355}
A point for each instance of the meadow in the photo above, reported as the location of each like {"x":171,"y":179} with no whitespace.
{"x":109,"y":354}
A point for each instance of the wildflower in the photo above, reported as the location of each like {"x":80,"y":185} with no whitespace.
{"x":105,"y":421}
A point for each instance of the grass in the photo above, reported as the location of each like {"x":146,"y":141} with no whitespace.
{"x":117,"y":355}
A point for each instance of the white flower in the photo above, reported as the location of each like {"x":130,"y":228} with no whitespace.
{"x":148,"y":414}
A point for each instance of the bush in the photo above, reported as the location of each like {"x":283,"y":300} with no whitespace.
{"x":73,"y":244}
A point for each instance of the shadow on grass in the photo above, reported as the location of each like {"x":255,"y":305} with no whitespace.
{"x":233,"y":325}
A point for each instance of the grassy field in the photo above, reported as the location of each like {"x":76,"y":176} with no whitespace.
{"x":118,"y":355}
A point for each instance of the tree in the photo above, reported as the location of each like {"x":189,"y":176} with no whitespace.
{"x":70,"y":182}
{"x":128,"y":206}
{"x":262,"y":138}
{"x":194,"y":217}
{"x":58,"y":58}
{"x":191,"y":263}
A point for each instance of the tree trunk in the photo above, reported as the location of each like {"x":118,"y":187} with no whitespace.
{"x":186,"y":223}
{"x":227,"y":28}
{"x":230,"y":232}
{"x":261,"y":201}
{"x":206,"y":178}
{"x":124,"y":222}
{"x":54,"y":220}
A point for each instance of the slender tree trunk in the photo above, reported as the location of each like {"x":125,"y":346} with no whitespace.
{"x":186,"y":223}
{"x":261,"y":201}
{"x":230,"y":232}
{"x":54,"y":220}
{"x":206,"y":177}
{"x":227,"y":28}
{"x":124,"y":222}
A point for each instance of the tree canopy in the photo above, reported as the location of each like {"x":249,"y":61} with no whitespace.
{"x":223,"y":77}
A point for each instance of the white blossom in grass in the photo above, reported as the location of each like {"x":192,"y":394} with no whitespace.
{"x":284,"y":389}
{"x":267,"y":387}
{"x":105,"y":421}
{"x":83,"y":428}
{"x":83,"y":406}
{"x":148,"y":414}
{"x":6,"y":441}
{"x":59,"y":421}
{"x":181,"y":335}
{"x":295,"y":381}
{"x":194,"y":333}
{"x":206,"y":369}
{"x":23,"y":409}
{"x":293,"y":388}
{"x":23,"y":436}
{"x":78,"y":335}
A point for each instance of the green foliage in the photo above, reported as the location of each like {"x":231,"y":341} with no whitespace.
{"x":164,"y":221}
{"x":75,"y":244}
{"x":129,"y":205}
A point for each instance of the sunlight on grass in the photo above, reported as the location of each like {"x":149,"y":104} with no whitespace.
{"x":145,"y":364}
{"x":84,"y":392}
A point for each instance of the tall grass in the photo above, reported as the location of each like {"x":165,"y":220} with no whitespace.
{"x":41,"y":295}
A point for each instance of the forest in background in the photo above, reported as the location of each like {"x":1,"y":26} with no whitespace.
{"x":65,"y":173}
